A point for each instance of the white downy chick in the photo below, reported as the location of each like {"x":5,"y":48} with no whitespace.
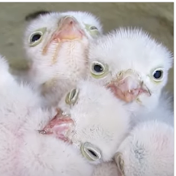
{"x":56,"y":44}
{"x":23,"y":150}
{"x":147,"y":151}
{"x":133,"y":65}
{"x":92,"y":119}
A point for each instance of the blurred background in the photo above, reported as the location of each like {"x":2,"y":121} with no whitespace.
{"x":156,"y":18}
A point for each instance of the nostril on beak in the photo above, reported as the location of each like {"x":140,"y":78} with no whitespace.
{"x":67,"y":20}
{"x":71,"y":22}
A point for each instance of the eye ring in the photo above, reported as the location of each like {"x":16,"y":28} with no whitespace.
{"x":93,"y":28}
{"x":157,"y":74}
{"x":36,"y":37}
{"x":72,"y":97}
{"x":90,"y":152}
{"x":120,"y":74}
{"x":98,"y":70}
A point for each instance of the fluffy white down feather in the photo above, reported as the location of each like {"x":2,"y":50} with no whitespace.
{"x":162,"y":112}
{"x":23,"y":151}
{"x":98,"y":118}
{"x":148,"y":150}
{"x":154,"y":110}
{"x":134,"y":49}
{"x":127,"y":59}
{"x":57,"y":63}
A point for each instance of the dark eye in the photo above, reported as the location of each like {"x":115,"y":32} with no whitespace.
{"x":93,"y":28}
{"x":72,"y":97}
{"x":98,"y":68}
{"x":92,"y":153}
{"x":158,"y":74}
{"x":35,"y":37}
{"x":73,"y":93}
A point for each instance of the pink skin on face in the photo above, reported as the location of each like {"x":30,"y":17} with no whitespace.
{"x":59,"y":127}
{"x":128,"y":88}
{"x":68,"y":30}
{"x":127,"y":96}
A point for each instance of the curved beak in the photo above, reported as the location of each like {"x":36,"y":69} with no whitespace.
{"x":60,"y":127}
{"x":68,"y":29}
{"x":128,"y":86}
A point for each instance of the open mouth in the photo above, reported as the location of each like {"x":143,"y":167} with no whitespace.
{"x":128,"y":86}
{"x":60,"y":126}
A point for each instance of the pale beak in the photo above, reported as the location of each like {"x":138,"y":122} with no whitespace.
{"x":128,"y":86}
{"x":60,"y":127}
{"x":68,"y":29}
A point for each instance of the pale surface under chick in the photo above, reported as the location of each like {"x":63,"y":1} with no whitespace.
{"x":133,"y":65}
{"x":92,"y":118}
{"x":23,"y":150}
{"x":147,"y":151}
{"x":56,"y":44}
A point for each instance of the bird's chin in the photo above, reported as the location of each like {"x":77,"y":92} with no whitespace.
{"x":60,"y":126}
